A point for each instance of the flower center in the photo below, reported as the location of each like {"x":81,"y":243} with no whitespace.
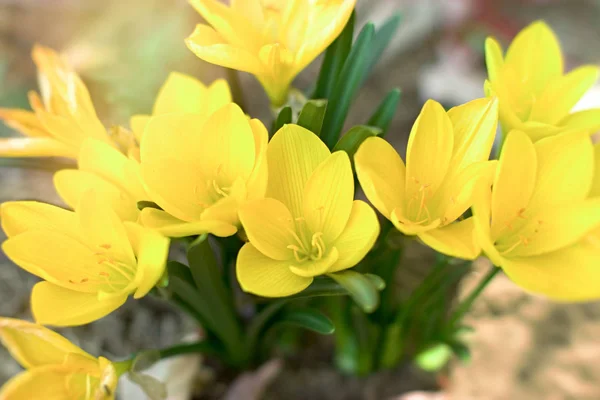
{"x":416,"y":209}
{"x":515,"y":234}
{"x":304,"y":249}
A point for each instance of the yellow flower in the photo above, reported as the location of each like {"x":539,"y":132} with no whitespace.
{"x":90,"y":260}
{"x":536,"y":221}
{"x":309,"y":225}
{"x":535,"y":95}
{"x":183,"y":94}
{"x":61,"y":119}
{"x":55,"y":367}
{"x":115,"y":179}
{"x":199,"y":168}
{"x":446,"y":158}
{"x":273,"y":39}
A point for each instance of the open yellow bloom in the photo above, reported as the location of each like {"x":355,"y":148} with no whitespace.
{"x":309,"y":225}
{"x":56,"y":369}
{"x":273,"y":39}
{"x":537,"y":223}
{"x":535,"y":95}
{"x":446,"y":158}
{"x":115,"y":178}
{"x":199,"y":168}
{"x":61,"y":119}
{"x":183,"y":94}
{"x":90,"y":260}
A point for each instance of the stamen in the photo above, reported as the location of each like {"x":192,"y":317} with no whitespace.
{"x":296,"y":251}
{"x":318,"y":244}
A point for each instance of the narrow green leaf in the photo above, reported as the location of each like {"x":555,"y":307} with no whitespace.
{"x":147,"y":204}
{"x":348,"y":84}
{"x":307,"y":318}
{"x":284,"y":117}
{"x":334,"y":60}
{"x":312,"y":114}
{"x":392,"y":347}
{"x":434,"y":358}
{"x":362,"y":291}
{"x":461,"y":351}
{"x":352,"y":139}
{"x":381,"y":40}
{"x":383,"y":116}
{"x":376,"y":281}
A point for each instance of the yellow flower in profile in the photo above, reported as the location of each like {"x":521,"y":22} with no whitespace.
{"x":199,"y":168}
{"x":61,"y":119}
{"x":90,"y":260}
{"x":184,"y":94}
{"x":271,"y":39}
{"x":535,"y":95}
{"x":446,"y":158}
{"x":538,"y":222}
{"x":115,"y":178}
{"x":309,"y":225}
{"x":55,"y":367}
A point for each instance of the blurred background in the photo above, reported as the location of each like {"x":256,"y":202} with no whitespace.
{"x":524,"y":347}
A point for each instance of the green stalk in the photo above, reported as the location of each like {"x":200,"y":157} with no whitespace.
{"x":202,"y":347}
{"x":465,"y":306}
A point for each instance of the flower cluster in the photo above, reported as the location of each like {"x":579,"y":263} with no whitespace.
{"x":199,"y":165}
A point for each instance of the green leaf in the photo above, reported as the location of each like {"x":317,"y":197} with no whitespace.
{"x":376,"y":281}
{"x":384,"y":114}
{"x":147,"y":204}
{"x":284,"y":117}
{"x":381,"y":40}
{"x":307,"y":318}
{"x":393,"y":346}
{"x":352,"y":139}
{"x":334,"y":60}
{"x":461,"y":351}
{"x":152,"y":387}
{"x":312,"y":114}
{"x":348,"y":84}
{"x":434,"y":358}
{"x":360,"y":287}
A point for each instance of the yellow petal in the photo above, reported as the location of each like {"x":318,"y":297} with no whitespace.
{"x":569,"y":275}
{"x":21,"y":216}
{"x":102,"y":229}
{"x":454,"y":240}
{"x":252,"y":9}
{"x":586,"y":120}
{"x":151,"y":250}
{"x":35,"y":147}
{"x":55,"y":305}
{"x":562,"y":93}
{"x":257,"y":182}
{"x":293,"y":154}
{"x":107,"y":162}
{"x":138,"y":126}
{"x":328,"y":196}
{"x":409,"y":227}
{"x":493,"y":58}
{"x":226,"y":208}
{"x":173,"y":227}
{"x":514,"y":183}
{"x":381,"y":173}
{"x":211,"y":47}
{"x":33,"y":345}
{"x":219,"y":95}
{"x":278,"y":71}
{"x":481,"y":221}
{"x":565,"y":169}
{"x":270,"y":227}
{"x":266,"y":277}
{"x":536,"y":56}
{"x":47,"y":382}
{"x":180,"y":93}
{"x":23,"y":121}
{"x":358,"y":236}
{"x":311,"y":268}
{"x":595,"y":190}
{"x":430,"y":148}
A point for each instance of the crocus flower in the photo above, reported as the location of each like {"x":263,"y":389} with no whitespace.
{"x":538,"y":222}
{"x":61,"y":119}
{"x":89,"y":260}
{"x":309,"y":224}
{"x":55,"y":367}
{"x":446,"y":158}
{"x":273,"y":40}
{"x":200,"y":168}
{"x":535,"y":95}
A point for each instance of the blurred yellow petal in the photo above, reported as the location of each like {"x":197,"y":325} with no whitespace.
{"x":266,"y":277}
{"x":258,"y":180}
{"x":311,"y":268}
{"x":252,"y":9}
{"x":226,"y":208}
{"x":493,"y":57}
{"x":454,"y":240}
{"x":55,"y":305}
{"x":514,"y":183}
{"x":23,"y":121}
{"x":328,"y":196}
{"x":270,"y":227}
{"x":481,"y":220}
{"x":595,"y":190}
{"x":381,"y":173}
{"x":138,"y":126}
{"x":35,"y":147}
{"x":218,"y":96}
{"x":21,"y":216}
{"x":409,"y":227}
{"x":101,"y":159}
{"x":180,"y":93}
{"x":293,"y":154}
{"x":358,"y":236}
{"x":430,"y":148}
{"x":33,"y":345}
{"x":48,"y":382}
{"x":173,"y":227}
{"x":586,"y":120}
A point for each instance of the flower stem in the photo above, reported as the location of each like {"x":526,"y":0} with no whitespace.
{"x":187,"y":348}
{"x":465,"y":306}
